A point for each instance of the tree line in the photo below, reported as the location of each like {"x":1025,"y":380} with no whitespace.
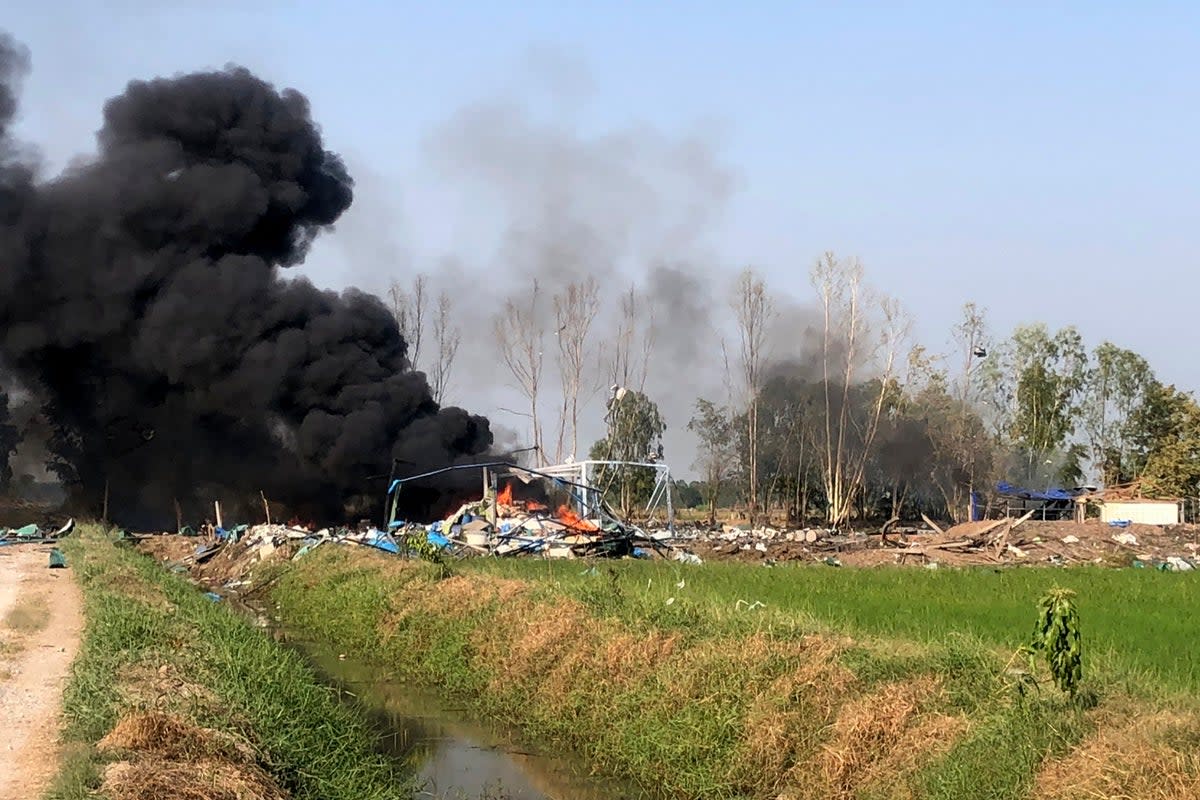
{"x":847,"y":418}
{"x":868,"y":423}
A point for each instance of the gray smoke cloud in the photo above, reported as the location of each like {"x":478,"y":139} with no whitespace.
{"x":631,"y":207}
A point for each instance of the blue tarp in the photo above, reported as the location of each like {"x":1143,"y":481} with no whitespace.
{"x":382,"y":541}
{"x":1008,"y":490}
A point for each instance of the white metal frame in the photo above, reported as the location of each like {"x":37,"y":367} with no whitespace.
{"x":582,"y":473}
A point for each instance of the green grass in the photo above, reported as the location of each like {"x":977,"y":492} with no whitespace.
{"x":141,"y":617}
{"x":683,"y":728}
{"x":1138,"y":624}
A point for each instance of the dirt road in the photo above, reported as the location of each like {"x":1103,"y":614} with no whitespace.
{"x":40,"y":625}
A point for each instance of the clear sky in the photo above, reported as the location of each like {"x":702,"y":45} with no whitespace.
{"x":1038,"y":158}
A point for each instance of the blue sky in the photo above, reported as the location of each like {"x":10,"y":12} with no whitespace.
{"x":1039,"y":159}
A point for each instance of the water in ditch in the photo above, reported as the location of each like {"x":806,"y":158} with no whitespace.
{"x":457,"y":758}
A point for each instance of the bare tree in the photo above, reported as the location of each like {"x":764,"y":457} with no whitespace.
{"x":519,"y":334}
{"x":446,"y":338}
{"x":967,"y":452}
{"x":629,"y":364}
{"x":847,"y":347}
{"x":753,"y":311}
{"x":575,"y":309}
{"x":409,"y":307}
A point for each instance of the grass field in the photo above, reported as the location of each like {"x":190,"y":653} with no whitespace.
{"x":841,"y":684}
{"x":1138,"y":624}
{"x":195,"y":702}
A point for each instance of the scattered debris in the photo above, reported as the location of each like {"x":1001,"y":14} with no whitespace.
{"x":554,"y":512}
{"x":34,"y":534}
{"x":1005,"y":541}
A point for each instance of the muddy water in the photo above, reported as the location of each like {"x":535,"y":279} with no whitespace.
{"x":456,"y":757}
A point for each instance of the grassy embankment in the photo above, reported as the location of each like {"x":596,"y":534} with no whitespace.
{"x":1137,"y":621}
{"x":175,"y":696}
{"x":873,"y":684}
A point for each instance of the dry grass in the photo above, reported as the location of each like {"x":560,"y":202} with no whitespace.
{"x":169,"y":757}
{"x":1145,"y":757}
{"x":170,"y":737}
{"x":866,"y":745}
{"x":206,"y":779}
{"x":28,"y":616}
{"x":462,"y":596}
{"x":786,"y":719}
{"x":529,"y":640}
{"x":625,"y":656}
{"x":169,"y":547}
{"x":930,"y":736}
{"x":130,"y":584}
{"x":157,"y":685}
{"x":867,"y":729}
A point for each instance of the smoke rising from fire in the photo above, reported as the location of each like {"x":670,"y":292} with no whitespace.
{"x":630,"y":207}
{"x":143,"y":306}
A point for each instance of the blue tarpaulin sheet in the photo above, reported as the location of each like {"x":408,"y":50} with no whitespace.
{"x":383,"y":541}
{"x":1008,"y":490}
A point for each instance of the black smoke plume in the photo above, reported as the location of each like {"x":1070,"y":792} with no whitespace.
{"x":142,"y":304}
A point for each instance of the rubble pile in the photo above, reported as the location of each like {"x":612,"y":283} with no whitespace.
{"x":229,"y":558}
{"x":768,"y":543}
{"x":513,"y":527}
{"x":1171,"y":548}
{"x":1005,"y":541}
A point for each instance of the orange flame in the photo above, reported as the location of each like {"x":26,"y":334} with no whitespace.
{"x":567,"y":516}
{"x":504,"y":497}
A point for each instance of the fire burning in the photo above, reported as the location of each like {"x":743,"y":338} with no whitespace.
{"x":567,"y":516}
{"x":505,"y":497}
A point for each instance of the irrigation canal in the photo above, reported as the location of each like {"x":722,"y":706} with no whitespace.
{"x":455,"y":756}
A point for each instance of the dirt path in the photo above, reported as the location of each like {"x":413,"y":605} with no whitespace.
{"x":40,"y":625}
